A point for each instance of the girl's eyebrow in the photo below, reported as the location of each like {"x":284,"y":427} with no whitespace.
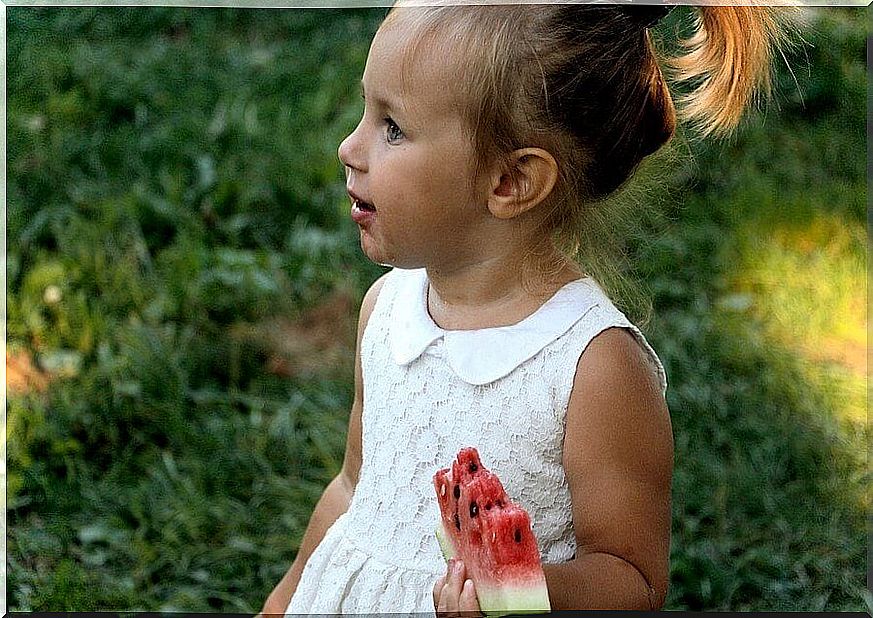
{"x":378,"y":101}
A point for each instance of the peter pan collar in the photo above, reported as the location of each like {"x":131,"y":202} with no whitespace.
{"x":482,"y":356}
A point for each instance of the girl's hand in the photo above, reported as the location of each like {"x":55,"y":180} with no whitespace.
{"x":454,"y":594}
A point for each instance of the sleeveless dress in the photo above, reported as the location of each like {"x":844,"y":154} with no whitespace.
{"x":428,"y":392}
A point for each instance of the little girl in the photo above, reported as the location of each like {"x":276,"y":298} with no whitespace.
{"x":490,"y":134}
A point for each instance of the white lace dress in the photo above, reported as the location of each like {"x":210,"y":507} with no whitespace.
{"x":429,"y":392}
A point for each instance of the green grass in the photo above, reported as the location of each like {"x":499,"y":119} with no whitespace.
{"x":174,"y":194}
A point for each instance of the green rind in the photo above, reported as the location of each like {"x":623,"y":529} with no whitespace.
{"x":446,"y":545}
{"x":533,"y":599}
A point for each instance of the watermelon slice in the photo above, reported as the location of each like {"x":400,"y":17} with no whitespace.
{"x":492,"y":535}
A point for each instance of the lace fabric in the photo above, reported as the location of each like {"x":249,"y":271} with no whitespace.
{"x":420,"y":408}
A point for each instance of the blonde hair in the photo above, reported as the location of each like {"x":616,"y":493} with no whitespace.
{"x":584,"y":82}
{"x":731,"y":51}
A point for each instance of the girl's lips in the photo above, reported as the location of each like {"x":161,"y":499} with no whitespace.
{"x":360,"y":215}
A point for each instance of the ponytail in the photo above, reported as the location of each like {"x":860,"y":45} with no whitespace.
{"x":730,"y":54}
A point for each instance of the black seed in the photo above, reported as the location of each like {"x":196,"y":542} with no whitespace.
{"x":474,"y":509}
{"x":500,"y":503}
{"x":473,"y":467}
{"x":517,"y":535}
{"x":457,"y":492}
{"x":457,"y":522}
{"x":488,"y":507}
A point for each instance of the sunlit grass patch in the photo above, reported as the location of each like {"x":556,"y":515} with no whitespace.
{"x":802,"y":277}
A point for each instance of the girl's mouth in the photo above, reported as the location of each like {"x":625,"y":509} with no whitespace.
{"x":362,"y":212}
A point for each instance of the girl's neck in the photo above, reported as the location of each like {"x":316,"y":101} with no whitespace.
{"x":492,"y":293}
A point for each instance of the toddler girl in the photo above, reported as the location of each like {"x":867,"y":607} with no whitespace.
{"x":490,"y":134}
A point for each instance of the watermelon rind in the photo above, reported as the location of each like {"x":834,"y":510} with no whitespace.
{"x":446,"y":545}
{"x":530,"y":599}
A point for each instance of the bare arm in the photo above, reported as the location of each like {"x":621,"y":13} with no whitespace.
{"x":618,"y":457}
{"x":335,"y":499}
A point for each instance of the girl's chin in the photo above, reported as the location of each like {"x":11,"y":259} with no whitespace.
{"x":372,"y":250}
{"x":376,"y":252}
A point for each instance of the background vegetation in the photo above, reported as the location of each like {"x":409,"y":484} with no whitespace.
{"x":183,"y":280}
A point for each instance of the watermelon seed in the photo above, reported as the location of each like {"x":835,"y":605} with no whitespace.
{"x":493,"y":537}
{"x":517,"y":535}
{"x":474,"y":509}
{"x":443,"y":490}
{"x":457,"y":522}
{"x":473,"y":467}
{"x":457,"y":492}
{"x":500,"y":503}
{"x":488,"y":506}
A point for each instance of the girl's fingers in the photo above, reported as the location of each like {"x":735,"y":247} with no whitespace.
{"x":453,"y":593}
{"x":437,"y":590}
{"x":450,"y":595}
{"x":468,"y":601}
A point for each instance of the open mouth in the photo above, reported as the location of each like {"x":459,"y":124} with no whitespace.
{"x":364,"y":206}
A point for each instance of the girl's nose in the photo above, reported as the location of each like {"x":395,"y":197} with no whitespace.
{"x":350,"y":152}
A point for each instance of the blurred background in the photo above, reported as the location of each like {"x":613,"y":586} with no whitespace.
{"x":183,"y":282}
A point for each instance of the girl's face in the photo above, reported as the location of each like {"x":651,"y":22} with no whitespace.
{"x":410,"y":162}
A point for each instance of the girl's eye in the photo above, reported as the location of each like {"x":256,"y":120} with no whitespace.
{"x":392,"y":131}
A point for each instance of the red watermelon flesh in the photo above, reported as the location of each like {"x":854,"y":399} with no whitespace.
{"x":492,"y":535}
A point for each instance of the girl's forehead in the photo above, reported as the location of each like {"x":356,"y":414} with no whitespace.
{"x":416,"y":57}
{"x":413,"y":36}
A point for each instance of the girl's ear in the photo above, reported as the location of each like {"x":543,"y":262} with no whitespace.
{"x":523,"y":182}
